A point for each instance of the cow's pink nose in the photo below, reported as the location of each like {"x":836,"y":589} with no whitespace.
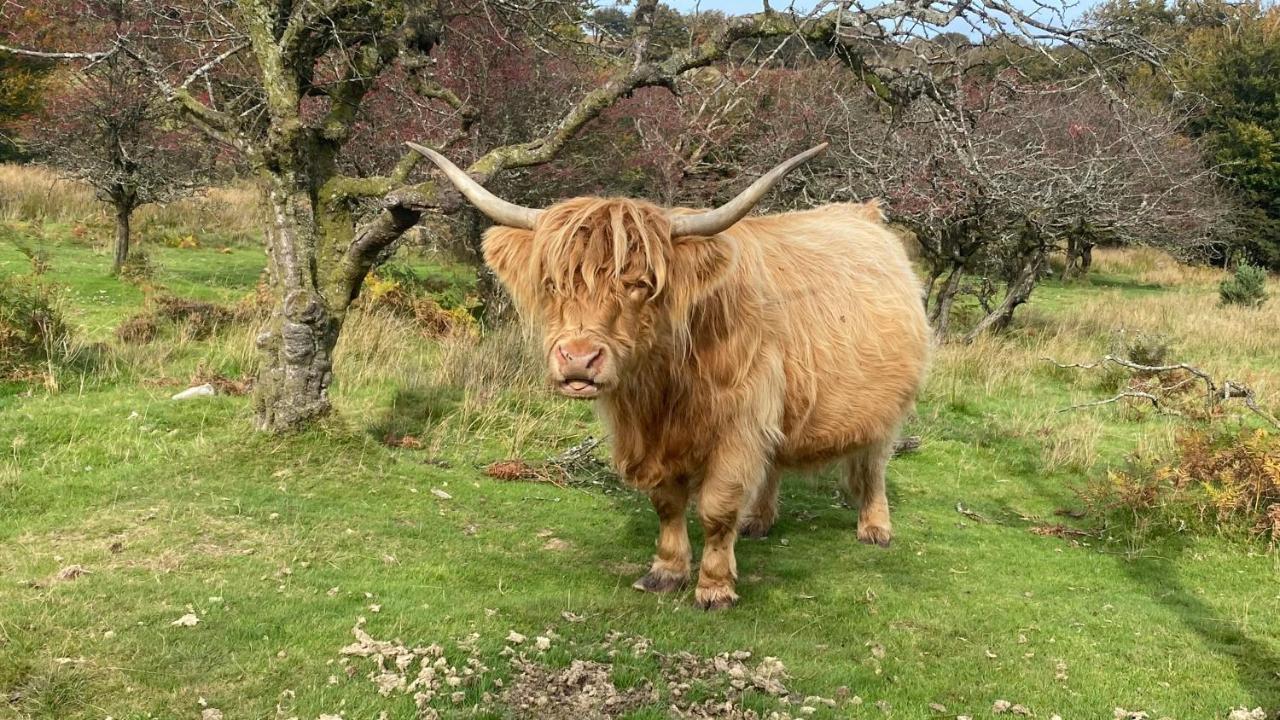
{"x":579,"y":359}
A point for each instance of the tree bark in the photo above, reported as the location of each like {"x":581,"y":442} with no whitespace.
{"x":940,"y":315}
{"x":298,"y":340}
{"x":1018,"y":293}
{"x":124,"y":217}
{"x":1079,"y":256}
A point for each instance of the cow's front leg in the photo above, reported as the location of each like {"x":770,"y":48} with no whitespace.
{"x":735,"y":473}
{"x":670,"y":570}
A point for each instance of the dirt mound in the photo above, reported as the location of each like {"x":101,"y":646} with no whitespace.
{"x":727,"y":685}
{"x":582,"y":691}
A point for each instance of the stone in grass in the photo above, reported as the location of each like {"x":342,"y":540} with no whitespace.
{"x":199,"y":391}
{"x":71,"y":572}
{"x":188,"y":620}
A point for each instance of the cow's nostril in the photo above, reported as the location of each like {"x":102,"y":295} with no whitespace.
{"x":580,"y":358}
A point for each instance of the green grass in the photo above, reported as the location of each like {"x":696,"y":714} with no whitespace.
{"x":180,"y":507}
{"x":99,"y":301}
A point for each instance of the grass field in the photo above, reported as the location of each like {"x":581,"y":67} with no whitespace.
{"x":279,"y":545}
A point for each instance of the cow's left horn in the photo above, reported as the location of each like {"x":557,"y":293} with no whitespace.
{"x":498,"y":210}
{"x":723,"y":217}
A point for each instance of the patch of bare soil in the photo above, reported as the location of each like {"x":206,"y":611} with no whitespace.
{"x":690,"y":686}
{"x":584,"y":690}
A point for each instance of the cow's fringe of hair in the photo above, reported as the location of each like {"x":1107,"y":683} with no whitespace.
{"x":622,"y":239}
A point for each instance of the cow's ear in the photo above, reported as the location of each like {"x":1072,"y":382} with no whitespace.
{"x":700,"y":265}
{"x":507,"y":251}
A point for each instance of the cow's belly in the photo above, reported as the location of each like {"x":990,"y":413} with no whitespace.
{"x":853,"y":391}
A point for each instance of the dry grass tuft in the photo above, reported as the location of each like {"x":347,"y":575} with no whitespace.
{"x":1228,"y":481}
{"x":31,"y":193}
{"x":1154,"y":267}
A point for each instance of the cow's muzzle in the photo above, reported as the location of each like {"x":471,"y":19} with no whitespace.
{"x":578,"y":364}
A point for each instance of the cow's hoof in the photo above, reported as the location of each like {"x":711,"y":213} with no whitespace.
{"x":755,"y":528}
{"x":875,"y":535}
{"x":715,"y":598}
{"x":659,"y":581}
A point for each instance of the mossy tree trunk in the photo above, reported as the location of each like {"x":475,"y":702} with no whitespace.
{"x":298,"y":340}
{"x":317,"y":262}
{"x":124,"y":217}
{"x":123,"y":201}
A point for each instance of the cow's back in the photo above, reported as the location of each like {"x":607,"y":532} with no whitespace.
{"x":845,"y":311}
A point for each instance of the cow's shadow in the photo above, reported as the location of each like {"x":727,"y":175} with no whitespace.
{"x":1255,"y":665}
{"x":811,"y":511}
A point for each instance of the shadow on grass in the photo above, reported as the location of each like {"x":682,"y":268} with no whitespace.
{"x":1255,"y":665}
{"x":414,"y":411}
{"x":1117,"y":283}
{"x":810,"y":514}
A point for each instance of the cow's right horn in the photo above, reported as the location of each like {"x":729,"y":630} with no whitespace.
{"x":722,"y":218}
{"x":498,"y":210}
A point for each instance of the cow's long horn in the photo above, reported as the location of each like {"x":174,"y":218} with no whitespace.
{"x":723,"y":217}
{"x":498,"y":210}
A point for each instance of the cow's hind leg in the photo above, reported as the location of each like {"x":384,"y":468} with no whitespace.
{"x":759,"y":518}
{"x":670,"y":569}
{"x":865,"y":478}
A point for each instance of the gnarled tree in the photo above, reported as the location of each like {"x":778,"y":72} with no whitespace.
{"x":286,"y":84}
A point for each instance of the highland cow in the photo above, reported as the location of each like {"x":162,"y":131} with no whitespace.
{"x":721,"y":349}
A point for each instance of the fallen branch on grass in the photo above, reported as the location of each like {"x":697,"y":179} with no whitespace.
{"x":1215,"y":392}
{"x":906,"y":444}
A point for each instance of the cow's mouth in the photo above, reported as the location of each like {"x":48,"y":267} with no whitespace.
{"x":584,"y":389}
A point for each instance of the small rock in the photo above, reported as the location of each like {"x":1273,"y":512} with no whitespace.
{"x":71,"y":572}
{"x":1001,"y":706}
{"x":211,"y":714}
{"x":441,"y":494}
{"x":188,"y":620}
{"x":515,"y":638}
{"x":199,"y":391}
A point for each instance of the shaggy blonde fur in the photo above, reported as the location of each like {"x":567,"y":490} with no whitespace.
{"x":787,"y":340}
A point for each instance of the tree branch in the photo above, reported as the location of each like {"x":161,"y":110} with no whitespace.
{"x":90,"y":56}
{"x":1215,"y":392}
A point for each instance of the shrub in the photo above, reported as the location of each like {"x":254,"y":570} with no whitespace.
{"x":197,"y":319}
{"x":194,"y":319}
{"x":1247,"y":287}
{"x":138,"y":330}
{"x":33,"y":333}
{"x":1143,"y":348}
{"x":38,"y":257}
{"x":1226,"y":483}
{"x":138,"y":267}
{"x":399,"y":290}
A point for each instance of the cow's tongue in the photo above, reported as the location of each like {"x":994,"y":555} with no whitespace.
{"x":578,"y":385}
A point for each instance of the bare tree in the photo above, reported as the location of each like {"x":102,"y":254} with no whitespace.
{"x":108,"y":128}
{"x":285,"y":84}
{"x":993,"y":177}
